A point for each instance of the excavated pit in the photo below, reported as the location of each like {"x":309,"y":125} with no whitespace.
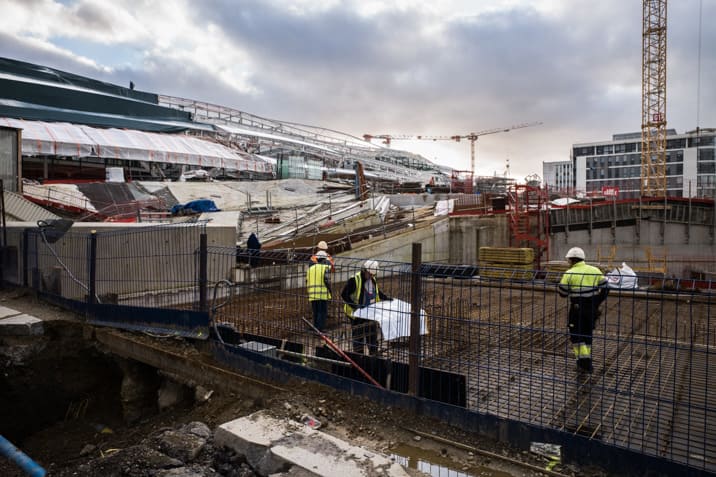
{"x":60,"y":391}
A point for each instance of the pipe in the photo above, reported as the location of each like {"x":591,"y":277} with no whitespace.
{"x":22,"y":460}
{"x":338,"y":350}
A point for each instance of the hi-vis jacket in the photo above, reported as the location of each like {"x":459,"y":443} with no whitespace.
{"x":583,"y":281}
{"x":352,"y":294}
{"x":317,"y":282}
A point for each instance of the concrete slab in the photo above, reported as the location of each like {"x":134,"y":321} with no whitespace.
{"x":252,"y":437}
{"x":6,"y":312}
{"x":272,"y":445}
{"x":21,"y":325}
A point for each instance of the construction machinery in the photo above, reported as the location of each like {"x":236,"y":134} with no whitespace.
{"x":472,"y":137}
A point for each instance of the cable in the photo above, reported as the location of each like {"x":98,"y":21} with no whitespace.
{"x":41,"y":224}
{"x":214,"y":308}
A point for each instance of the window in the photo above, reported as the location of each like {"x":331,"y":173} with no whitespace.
{"x":583,"y":151}
{"x":630,"y":147}
{"x":606,"y":149}
{"x":674,"y":169}
{"x":701,"y":141}
{"x":705,"y":155}
{"x":676,"y":143}
{"x":706,"y":168}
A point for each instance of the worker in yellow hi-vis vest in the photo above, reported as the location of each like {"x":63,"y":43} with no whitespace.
{"x":361,"y":290}
{"x":318,"y":285}
{"x":586,"y":288}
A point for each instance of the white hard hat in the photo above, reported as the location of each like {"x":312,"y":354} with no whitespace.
{"x":575,"y":252}
{"x":371,"y":266}
{"x":322,"y":245}
{"x":321,"y":254}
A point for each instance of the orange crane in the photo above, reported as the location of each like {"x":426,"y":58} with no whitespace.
{"x":472,"y":137}
{"x":653,"y":99}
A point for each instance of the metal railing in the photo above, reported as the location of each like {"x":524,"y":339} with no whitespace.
{"x":488,"y":342}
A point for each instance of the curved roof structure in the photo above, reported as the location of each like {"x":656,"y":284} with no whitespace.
{"x":65,"y":139}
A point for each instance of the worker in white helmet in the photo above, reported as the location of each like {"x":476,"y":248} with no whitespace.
{"x":586,"y":288}
{"x":360,"y":291}
{"x":322,"y":246}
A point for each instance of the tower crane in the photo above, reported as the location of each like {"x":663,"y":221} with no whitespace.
{"x":653,"y":99}
{"x":472,"y":137}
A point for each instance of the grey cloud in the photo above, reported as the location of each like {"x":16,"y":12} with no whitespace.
{"x":92,"y":16}
{"x":580,"y":74}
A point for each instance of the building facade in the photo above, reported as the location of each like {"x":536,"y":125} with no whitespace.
{"x":558,"y":176}
{"x":614,"y":167}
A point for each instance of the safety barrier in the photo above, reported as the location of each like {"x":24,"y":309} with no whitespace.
{"x":452,"y":342}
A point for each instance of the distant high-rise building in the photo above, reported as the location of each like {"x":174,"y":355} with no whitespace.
{"x":558,"y":177}
{"x":616,"y":165}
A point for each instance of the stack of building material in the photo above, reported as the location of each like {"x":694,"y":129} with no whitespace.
{"x":507,"y":262}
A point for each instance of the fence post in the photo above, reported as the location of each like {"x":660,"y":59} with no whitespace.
{"x":203,"y":280}
{"x":92,"y":286}
{"x":25,"y":255}
{"x":414,"y":343}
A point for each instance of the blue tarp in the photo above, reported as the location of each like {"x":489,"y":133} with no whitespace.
{"x":195,"y":207}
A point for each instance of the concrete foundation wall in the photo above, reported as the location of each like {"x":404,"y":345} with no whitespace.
{"x":469,"y":233}
{"x":681,"y":249}
{"x":434,"y":237}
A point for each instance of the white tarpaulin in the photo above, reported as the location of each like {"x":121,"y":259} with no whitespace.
{"x":76,"y":140}
{"x":444,"y":207}
{"x":392,"y":316}
{"x":563,"y":201}
{"x":623,"y":277}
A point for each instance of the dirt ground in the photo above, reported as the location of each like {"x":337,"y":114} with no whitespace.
{"x":67,"y":447}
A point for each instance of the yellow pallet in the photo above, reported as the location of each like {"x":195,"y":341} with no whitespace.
{"x":503,"y":270}
{"x":508,"y":274}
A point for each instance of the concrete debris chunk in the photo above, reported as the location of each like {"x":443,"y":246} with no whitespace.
{"x":21,"y":325}
{"x":6,"y":312}
{"x":274,"y":445}
{"x":181,"y":445}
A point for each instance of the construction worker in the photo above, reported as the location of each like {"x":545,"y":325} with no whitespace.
{"x":254,"y":248}
{"x":323,"y":246}
{"x":586,"y":288}
{"x":360,"y":291}
{"x":318,"y":285}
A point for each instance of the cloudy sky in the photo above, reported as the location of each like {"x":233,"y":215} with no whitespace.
{"x":391,"y":67}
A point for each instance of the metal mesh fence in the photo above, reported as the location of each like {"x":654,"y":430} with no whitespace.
{"x":501,"y":346}
{"x":492,"y":340}
{"x":150,"y":266}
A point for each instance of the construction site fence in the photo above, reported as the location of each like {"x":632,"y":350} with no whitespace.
{"x":501,"y":346}
{"x":487,"y":341}
{"x":156,"y":266}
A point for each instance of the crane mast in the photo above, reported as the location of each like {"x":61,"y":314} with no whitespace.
{"x":653,"y":99}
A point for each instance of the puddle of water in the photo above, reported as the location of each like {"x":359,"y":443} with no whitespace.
{"x":437,"y":465}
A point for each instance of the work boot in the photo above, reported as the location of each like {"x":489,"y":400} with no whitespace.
{"x":585,"y":365}
{"x":584,"y":380}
